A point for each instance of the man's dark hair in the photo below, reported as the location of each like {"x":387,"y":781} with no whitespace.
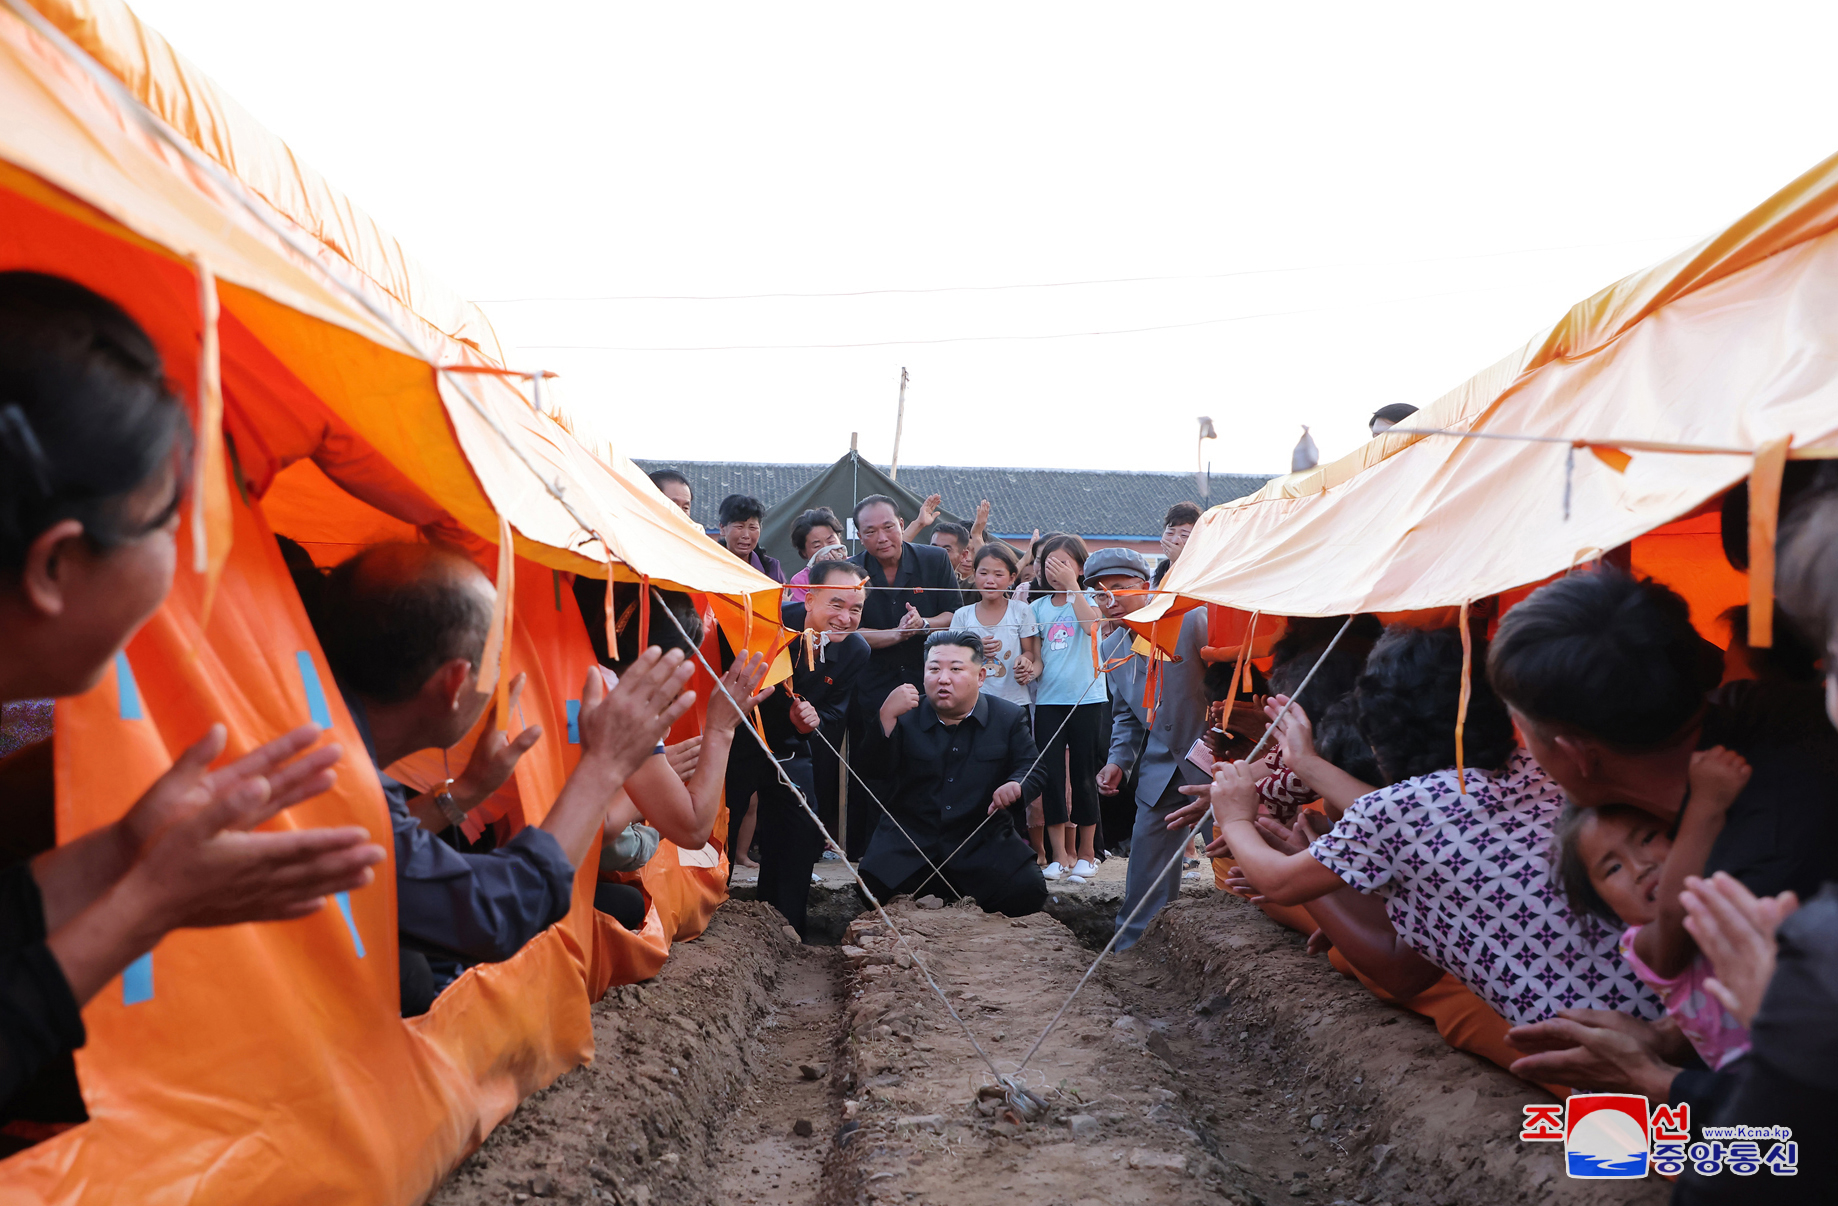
{"x":1181,"y":512}
{"x":590,"y":597}
{"x":1408,"y":696}
{"x":1397,"y":412}
{"x":955,"y":531}
{"x":86,"y":417}
{"x":1790,"y":659}
{"x":395,"y":613}
{"x":738,"y":508}
{"x":662,"y":476}
{"x":1608,"y":655}
{"x":956,"y":636}
{"x":823,"y":571}
{"x":870,"y":501}
{"x":816,"y":517}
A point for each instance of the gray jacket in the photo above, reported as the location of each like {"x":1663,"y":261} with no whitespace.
{"x":1180,"y":718}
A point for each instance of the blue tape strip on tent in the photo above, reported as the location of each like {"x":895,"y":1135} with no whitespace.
{"x":137,"y":980}
{"x":316,"y":706}
{"x":574,"y":722}
{"x":321,"y":713}
{"x":126,"y":690}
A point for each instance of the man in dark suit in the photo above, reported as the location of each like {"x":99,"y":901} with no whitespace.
{"x":955,"y":756}
{"x":912,"y":591}
{"x":822,"y":681}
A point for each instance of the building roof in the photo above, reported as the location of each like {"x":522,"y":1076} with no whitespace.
{"x":1124,"y":505}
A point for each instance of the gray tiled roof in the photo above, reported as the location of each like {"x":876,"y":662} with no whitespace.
{"x":1091,"y":502}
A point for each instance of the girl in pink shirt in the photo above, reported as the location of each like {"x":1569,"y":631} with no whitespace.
{"x":1618,"y":863}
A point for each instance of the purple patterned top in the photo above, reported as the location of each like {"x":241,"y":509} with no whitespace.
{"x":1468,"y":881}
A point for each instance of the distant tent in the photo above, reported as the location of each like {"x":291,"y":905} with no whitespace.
{"x":839,"y":488}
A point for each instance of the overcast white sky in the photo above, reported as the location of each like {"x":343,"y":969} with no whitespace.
{"x":1384,"y":198}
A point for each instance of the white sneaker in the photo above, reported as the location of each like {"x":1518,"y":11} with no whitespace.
{"x":1052,"y":871}
{"x":816,"y":878}
{"x":1084,"y":869}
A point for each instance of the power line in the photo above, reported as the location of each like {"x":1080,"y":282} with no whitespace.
{"x":1117,"y":280}
{"x":899,"y":343}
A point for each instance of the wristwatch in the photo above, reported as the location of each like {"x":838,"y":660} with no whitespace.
{"x":449,"y":807}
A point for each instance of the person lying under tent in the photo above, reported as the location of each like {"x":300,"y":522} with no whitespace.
{"x":680,"y":793}
{"x":1466,"y":873}
{"x":1120,"y":580}
{"x":955,"y":756}
{"x":1613,"y":691}
{"x":404,"y":629}
{"x":789,"y":841}
{"x":93,"y":465}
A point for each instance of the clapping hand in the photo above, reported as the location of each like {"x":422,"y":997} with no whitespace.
{"x":495,"y":755}
{"x":1735,"y":930}
{"x":742,"y":683}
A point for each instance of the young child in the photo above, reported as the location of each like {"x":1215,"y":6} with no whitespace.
{"x":1071,"y":708}
{"x":1011,"y":635}
{"x":1618,"y":864}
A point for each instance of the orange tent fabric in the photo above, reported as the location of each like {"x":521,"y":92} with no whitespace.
{"x":1725,"y":345}
{"x":268,"y":1063}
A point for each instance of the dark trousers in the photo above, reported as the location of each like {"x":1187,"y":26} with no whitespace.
{"x":1081,"y":733}
{"x":1009,"y":885}
{"x":623,"y":903}
{"x":868,"y":782}
{"x":789,"y":843}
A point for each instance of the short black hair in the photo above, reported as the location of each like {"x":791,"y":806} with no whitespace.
{"x":1181,"y":512}
{"x":955,"y":531}
{"x":816,"y":517}
{"x":1608,"y":655}
{"x":1790,"y":659}
{"x":671,"y":475}
{"x":870,"y":501}
{"x":738,"y":508}
{"x":823,"y":571}
{"x":395,"y":613}
{"x":1408,"y":697}
{"x":1397,"y":412}
{"x":86,"y":416}
{"x":956,"y":636}
{"x":590,"y":597}
{"x":1000,"y":552}
{"x":1572,"y":873}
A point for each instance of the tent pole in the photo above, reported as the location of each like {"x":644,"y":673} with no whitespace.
{"x":899,"y":425}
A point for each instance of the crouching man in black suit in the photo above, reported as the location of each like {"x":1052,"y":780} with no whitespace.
{"x":955,"y":756}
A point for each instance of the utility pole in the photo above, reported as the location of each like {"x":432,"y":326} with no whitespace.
{"x":1201,"y":477}
{"x":899,"y":425}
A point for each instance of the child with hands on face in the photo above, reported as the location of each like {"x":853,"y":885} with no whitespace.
{"x":1619,"y":864}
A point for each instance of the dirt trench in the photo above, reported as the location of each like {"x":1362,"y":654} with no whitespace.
{"x":1215,"y":1063}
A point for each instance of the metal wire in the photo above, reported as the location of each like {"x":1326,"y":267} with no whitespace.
{"x":1180,"y":854}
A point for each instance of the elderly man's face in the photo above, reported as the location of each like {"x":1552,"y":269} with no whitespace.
{"x":1119,"y":594}
{"x":678,"y":493}
{"x":880,"y":531}
{"x":836,"y":609}
{"x":742,"y":536}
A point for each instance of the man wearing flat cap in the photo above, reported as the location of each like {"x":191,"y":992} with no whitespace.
{"x":1119,"y":581}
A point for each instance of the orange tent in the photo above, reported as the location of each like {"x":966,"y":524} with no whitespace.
{"x":341,"y":397}
{"x":1616,"y":425}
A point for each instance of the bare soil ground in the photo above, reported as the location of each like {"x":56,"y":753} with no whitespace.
{"x":1215,"y":1063}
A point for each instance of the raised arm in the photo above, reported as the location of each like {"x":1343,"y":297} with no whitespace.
{"x":1717,"y":777}
{"x":1359,"y":926}
{"x":1295,"y":737}
{"x":1285,"y":879}
{"x":684,"y":813}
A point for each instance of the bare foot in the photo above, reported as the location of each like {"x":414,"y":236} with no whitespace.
{"x":749,"y":864}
